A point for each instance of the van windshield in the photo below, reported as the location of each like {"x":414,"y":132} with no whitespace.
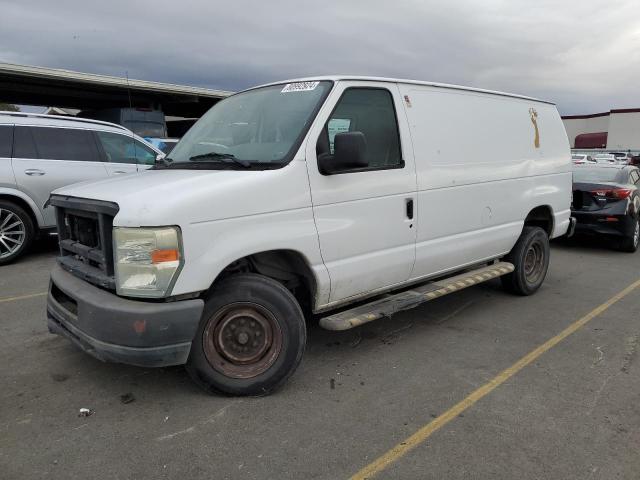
{"x":259,"y":128}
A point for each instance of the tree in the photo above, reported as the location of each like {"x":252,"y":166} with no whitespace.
{"x":9,"y":107}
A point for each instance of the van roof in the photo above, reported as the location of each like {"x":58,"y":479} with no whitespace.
{"x":336,"y":78}
{"x":24,"y":118}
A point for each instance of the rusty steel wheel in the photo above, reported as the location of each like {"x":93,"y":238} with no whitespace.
{"x":250,"y":338}
{"x":534,"y":262}
{"x":242,"y":340}
{"x":530,"y":257}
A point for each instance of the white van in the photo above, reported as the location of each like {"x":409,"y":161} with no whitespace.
{"x":304,"y":197}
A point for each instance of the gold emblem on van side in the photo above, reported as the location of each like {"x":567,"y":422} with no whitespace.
{"x":534,"y":119}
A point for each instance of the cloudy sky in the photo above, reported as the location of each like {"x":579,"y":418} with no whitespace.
{"x":582,"y":54}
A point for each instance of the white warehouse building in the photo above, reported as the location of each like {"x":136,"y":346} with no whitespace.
{"x":613,"y":130}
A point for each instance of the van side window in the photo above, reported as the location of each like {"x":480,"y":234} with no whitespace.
{"x":55,"y":144}
{"x":371,"y":112}
{"x":6,"y":141}
{"x":125,"y":149}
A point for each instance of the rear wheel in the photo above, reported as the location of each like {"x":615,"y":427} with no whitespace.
{"x":530,"y":257}
{"x":16,"y":231}
{"x":630,"y":242}
{"x":250,"y":339}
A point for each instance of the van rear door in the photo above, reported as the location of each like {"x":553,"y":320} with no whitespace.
{"x":365,"y":216}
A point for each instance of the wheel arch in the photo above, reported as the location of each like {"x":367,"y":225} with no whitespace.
{"x":289,"y":267}
{"x":541,"y":216}
{"x":26,"y":203}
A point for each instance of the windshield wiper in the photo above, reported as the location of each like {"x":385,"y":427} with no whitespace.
{"x":220,"y":156}
{"x":164,"y":162}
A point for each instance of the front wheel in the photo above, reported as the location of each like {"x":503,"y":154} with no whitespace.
{"x":530,"y":257}
{"x":250,"y":339}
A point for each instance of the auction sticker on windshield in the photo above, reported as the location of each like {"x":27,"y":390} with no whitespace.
{"x":299,"y":87}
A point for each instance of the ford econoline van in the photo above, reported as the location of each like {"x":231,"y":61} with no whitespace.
{"x":305,"y":197}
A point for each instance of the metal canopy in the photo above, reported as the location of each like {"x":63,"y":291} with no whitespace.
{"x":28,"y":85}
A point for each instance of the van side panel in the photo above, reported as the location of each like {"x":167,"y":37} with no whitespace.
{"x":483,"y":163}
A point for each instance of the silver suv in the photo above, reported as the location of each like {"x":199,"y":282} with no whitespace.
{"x":40,"y":153}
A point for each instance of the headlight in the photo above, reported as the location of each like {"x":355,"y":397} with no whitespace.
{"x":147,"y":260}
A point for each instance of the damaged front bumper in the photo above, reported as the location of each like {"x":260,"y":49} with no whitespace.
{"x":115,"y":329}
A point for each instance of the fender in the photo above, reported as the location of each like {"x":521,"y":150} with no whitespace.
{"x":212,"y":246}
{"x":37,"y":213}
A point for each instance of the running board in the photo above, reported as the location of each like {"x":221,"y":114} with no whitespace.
{"x":390,"y":304}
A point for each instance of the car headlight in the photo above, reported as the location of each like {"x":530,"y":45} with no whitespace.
{"x":147,"y":260}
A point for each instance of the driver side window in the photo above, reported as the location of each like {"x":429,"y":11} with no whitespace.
{"x":371,"y":112}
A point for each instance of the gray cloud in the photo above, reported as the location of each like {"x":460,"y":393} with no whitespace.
{"x":584,"y":55}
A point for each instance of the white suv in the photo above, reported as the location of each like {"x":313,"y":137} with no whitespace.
{"x":39,"y":153}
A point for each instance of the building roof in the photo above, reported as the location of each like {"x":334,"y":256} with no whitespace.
{"x":602,"y":114}
{"x":107,"y":80}
{"x":32,"y":85}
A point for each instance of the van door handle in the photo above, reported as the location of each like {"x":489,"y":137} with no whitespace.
{"x":410,"y":208}
{"x":34,"y":172}
{"x":119,"y":172}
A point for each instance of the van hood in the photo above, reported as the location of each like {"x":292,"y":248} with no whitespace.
{"x":176,"y":197}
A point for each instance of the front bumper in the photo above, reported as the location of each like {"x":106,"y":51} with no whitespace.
{"x":115,"y":329}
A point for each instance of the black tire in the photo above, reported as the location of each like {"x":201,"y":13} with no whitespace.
{"x":228,"y":354}
{"x":630,"y":242}
{"x":13,"y":213}
{"x":530,"y":257}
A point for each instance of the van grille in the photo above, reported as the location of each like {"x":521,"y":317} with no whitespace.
{"x":84,"y":233}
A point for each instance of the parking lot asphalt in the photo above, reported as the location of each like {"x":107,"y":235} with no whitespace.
{"x":573,"y":412}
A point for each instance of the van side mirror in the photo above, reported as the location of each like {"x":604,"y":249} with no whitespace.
{"x":349,"y":153}
{"x":160,"y":157}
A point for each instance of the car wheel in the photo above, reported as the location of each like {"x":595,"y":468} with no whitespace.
{"x":16,"y":231}
{"x":630,"y":242}
{"x":530,"y":257}
{"x":250,"y":339}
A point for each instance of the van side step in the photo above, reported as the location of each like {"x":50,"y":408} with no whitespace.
{"x":390,"y":304}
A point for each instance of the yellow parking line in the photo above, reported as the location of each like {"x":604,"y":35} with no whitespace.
{"x":425,"y":432}
{"x":22,"y":297}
